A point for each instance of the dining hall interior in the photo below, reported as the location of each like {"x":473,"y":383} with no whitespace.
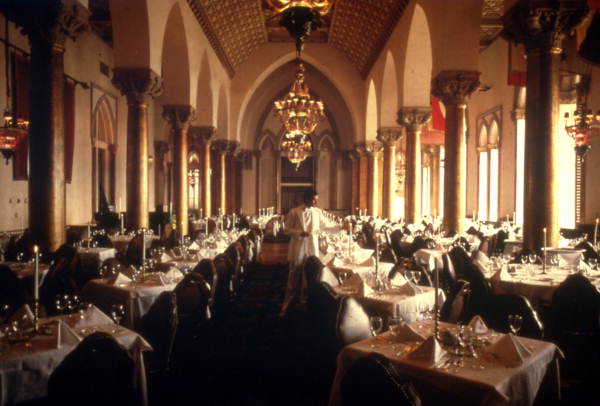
{"x":154,"y":153}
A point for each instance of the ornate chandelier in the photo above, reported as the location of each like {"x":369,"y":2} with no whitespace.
{"x":579,"y":127}
{"x":296,"y":148}
{"x":13,"y":127}
{"x":298,"y":111}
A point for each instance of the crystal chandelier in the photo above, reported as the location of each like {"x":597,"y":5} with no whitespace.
{"x":298,"y":111}
{"x":13,"y":127}
{"x":579,"y":126}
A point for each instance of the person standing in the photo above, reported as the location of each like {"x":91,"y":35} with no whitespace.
{"x":303,"y":224}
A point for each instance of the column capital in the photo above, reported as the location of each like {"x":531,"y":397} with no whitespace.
{"x":373,"y":148}
{"x":50,"y":22}
{"x":178,"y":115}
{"x":137,"y":83}
{"x":413,"y":118}
{"x":455,"y":86}
{"x":518,"y":114}
{"x":542,"y":24}
{"x":353,"y":155}
{"x":389,"y":135}
{"x":161,"y":148}
{"x":221,"y":146}
{"x":202,"y":134}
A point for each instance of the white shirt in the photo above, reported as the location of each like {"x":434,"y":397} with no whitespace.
{"x":298,"y":220}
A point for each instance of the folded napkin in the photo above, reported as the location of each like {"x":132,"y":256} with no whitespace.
{"x":429,"y":351}
{"x":120,"y":279}
{"x":24,"y":316}
{"x":398,"y":280}
{"x":64,"y":335}
{"x":338,"y":262}
{"x":478,"y":325}
{"x":406,"y":332}
{"x":510,"y":350}
{"x":327,"y":258}
{"x":164,"y":258}
{"x":408,"y":289}
{"x":194,"y":246}
{"x":368,"y":262}
{"x":93,"y":317}
{"x":355,"y":283}
{"x":170,"y":277}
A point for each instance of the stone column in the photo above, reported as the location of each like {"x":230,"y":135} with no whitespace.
{"x":413,"y":119}
{"x":373,"y":150}
{"x":203,"y":137}
{"x":389,"y":136}
{"x":453,"y":88}
{"x":231,"y":177}
{"x":179,"y":117}
{"x":221,"y":147}
{"x":47,"y":25}
{"x":354,"y":185}
{"x":160,"y":182}
{"x":434,"y":169}
{"x":541,"y":26}
{"x":137,"y":84}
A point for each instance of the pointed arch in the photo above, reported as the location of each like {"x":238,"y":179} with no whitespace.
{"x":205,"y":114}
{"x":418,"y":64}
{"x":389,"y":92}
{"x":175,"y":60}
{"x":371,"y":116}
{"x":223,"y":113}
{"x":103,"y":153}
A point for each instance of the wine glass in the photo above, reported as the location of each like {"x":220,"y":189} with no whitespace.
{"x":532,"y":258}
{"x":414,"y":276}
{"x":554,"y":260}
{"x":593,"y":262}
{"x":59,"y":304}
{"x":4,"y":312}
{"x":395,"y":324}
{"x":343,"y":276}
{"x":515,"y":321}
{"x":376,"y":324}
{"x":117,"y":311}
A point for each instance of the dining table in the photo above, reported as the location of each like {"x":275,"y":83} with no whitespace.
{"x":483,"y":379}
{"x":136,"y":296}
{"x":28,"y":360}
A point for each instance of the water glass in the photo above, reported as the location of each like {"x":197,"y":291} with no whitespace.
{"x":395,"y":324}
{"x":515,"y":321}
{"x":376,"y":324}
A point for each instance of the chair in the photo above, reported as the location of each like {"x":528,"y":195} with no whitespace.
{"x":574,"y":326}
{"x":456,"y":307}
{"x":374,"y":380}
{"x":159,"y":326}
{"x":326,"y":275}
{"x":103,"y":241}
{"x":234,"y":253}
{"x":134,"y":250}
{"x":11,"y":290}
{"x":447,"y":274}
{"x":589,"y":251}
{"x":311,"y":269}
{"x":369,"y":236}
{"x":11,"y":252}
{"x":352,"y":322}
{"x":221,"y":298}
{"x":499,"y":307}
{"x":59,"y":280}
{"x":99,"y":371}
{"x":395,"y":240}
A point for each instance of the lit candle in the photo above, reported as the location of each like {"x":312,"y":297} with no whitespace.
{"x":473,"y":216}
{"x":159,"y":230}
{"x":206,"y":226}
{"x":170,"y":210}
{"x":143,"y":250}
{"x":350,"y":241}
{"x":182,"y":233}
{"x":36,"y":281}
{"x":89,"y":233}
{"x":201,"y":214}
{"x":545,"y":246}
{"x":507,"y":218}
{"x":596,"y":232}
{"x":376,"y":254}
{"x":122,"y":224}
{"x":36,"y":289}
{"x":119,"y":208}
{"x":515,"y":217}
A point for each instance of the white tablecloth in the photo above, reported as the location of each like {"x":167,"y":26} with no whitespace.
{"x":92,"y":258}
{"x":495,"y":384}
{"x":136,"y":297}
{"x":430,"y":259}
{"x":26,"y":367}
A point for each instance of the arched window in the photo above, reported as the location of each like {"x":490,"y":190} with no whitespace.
{"x":194,"y":180}
{"x":103,"y":155}
{"x":488,"y":141}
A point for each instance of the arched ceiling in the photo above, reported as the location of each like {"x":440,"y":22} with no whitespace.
{"x":357,"y":28}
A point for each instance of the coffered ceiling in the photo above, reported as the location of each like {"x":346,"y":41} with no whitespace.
{"x":357,"y":28}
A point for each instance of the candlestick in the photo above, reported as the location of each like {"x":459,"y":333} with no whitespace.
{"x":350,"y":242}
{"x":201,"y":214}
{"x":122,"y":222}
{"x":181,"y":234}
{"x":143,"y":251}
{"x":507,"y":218}
{"x":120,"y":206}
{"x":376,"y":255}
{"x":515,"y":217}
{"x":36,"y":289}
{"x":89,"y":232}
{"x":436,"y":306}
{"x":206,"y":226}
{"x":596,"y":233}
{"x":159,"y":230}
{"x":545,"y":246}
{"x":473,"y":216}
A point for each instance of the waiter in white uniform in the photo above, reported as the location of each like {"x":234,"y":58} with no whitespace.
{"x":303,"y":224}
